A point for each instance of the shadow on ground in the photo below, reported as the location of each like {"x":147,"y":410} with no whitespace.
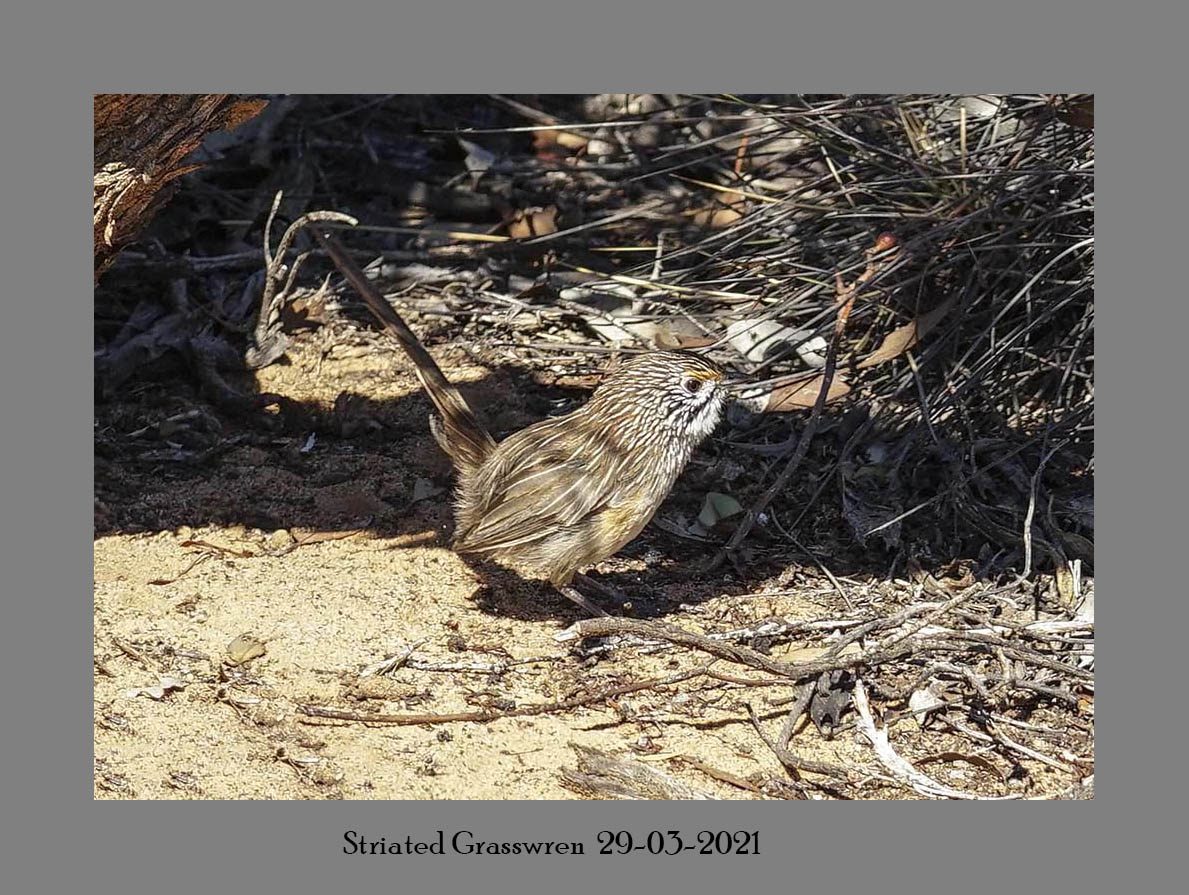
{"x":357,"y":465}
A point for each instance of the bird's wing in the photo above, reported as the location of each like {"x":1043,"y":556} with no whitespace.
{"x":535,"y":491}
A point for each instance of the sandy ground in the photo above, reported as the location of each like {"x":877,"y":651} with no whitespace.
{"x":333,"y":555}
{"x":337,"y":558}
{"x":326,"y":611}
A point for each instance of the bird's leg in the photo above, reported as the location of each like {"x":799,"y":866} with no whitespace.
{"x":604,"y":590}
{"x":571,"y":593}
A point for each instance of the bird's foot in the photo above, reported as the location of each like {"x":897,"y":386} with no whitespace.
{"x":571,"y":593}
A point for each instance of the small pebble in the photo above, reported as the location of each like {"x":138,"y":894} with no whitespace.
{"x":280,"y":539}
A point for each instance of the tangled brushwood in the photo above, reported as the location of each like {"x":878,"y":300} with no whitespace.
{"x":905,"y":280}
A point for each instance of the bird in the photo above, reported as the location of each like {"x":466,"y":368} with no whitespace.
{"x":570,"y":491}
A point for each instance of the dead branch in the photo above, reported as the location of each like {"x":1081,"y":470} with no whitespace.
{"x":898,"y":766}
{"x":485,"y":716}
{"x":742,"y":655}
{"x":601,"y":775}
{"x":142,"y":142}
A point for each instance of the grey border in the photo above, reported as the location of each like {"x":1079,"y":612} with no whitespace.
{"x":56,"y":839}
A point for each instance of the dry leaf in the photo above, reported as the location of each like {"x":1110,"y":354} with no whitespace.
{"x":802,"y":395}
{"x":907,"y":336}
{"x":977,"y":760}
{"x":678,"y":332}
{"x":680,"y":528}
{"x":533,"y":222}
{"x":555,"y":144}
{"x":667,"y":340}
{"x":1069,"y":583}
{"x":831,"y":699}
{"x":571,"y":140}
{"x":813,"y":352}
{"x":478,"y":159}
{"x":321,"y":537}
{"x":718,"y":506}
{"x":305,"y":311}
{"x":617,"y":328}
{"x":244,"y":649}
{"x":757,"y":339}
{"x":720,"y":215}
{"x":922,"y":703}
{"x":424,"y":489}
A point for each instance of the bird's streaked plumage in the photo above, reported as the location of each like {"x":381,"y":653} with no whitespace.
{"x":570,"y":491}
{"x":566,"y":492}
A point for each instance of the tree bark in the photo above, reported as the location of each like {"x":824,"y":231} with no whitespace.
{"x":141,"y":143}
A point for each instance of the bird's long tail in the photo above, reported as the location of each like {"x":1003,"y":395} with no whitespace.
{"x":461,"y":435}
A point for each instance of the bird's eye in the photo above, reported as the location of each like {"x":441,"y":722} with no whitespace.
{"x":692,"y":385}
